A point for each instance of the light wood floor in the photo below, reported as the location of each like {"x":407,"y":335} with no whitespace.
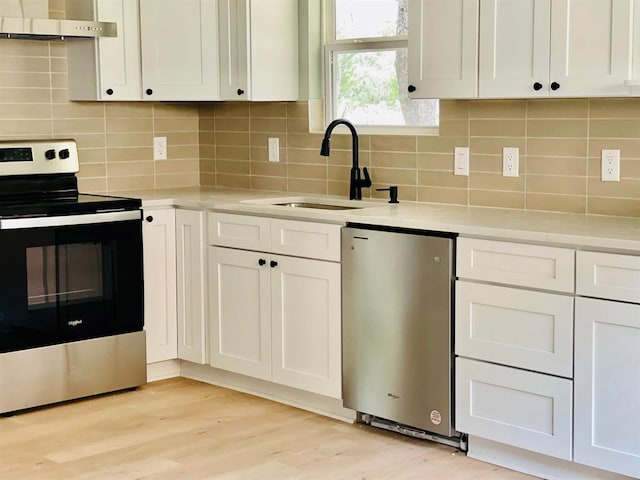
{"x":182,"y":429}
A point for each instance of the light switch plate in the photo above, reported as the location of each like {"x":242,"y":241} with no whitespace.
{"x":461,"y":161}
{"x":159,"y":148}
{"x":274,"y":149}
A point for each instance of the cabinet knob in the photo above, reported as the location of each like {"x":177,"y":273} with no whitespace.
{"x":149,"y":91}
{"x":411,"y":88}
{"x":537,"y":86}
{"x":240,"y":91}
{"x":555,"y":86}
{"x":262,"y":261}
{"x":109,"y":91}
{"x":273,"y":263}
{"x":149,"y":219}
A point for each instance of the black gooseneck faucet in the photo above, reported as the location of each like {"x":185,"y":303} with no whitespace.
{"x":355,"y":181}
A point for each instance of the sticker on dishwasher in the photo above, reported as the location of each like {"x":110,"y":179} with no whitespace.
{"x":435,"y":417}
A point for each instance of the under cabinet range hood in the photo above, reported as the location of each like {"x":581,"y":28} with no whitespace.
{"x":29,"y":19}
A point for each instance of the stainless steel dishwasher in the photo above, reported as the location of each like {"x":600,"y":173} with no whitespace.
{"x":397,"y":352}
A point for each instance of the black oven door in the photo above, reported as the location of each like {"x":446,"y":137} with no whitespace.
{"x":72,"y":282}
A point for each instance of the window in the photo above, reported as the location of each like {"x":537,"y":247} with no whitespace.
{"x":366,"y":74}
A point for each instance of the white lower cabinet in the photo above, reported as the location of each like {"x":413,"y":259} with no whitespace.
{"x":239,"y":300}
{"x":274,"y":315}
{"x":607,"y":385}
{"x":515,"y":344}
{"x":190,"y":271}
{"x":306,"y":327}
{"x":516,"y":327}
{"x":174,"y":313}
{"x":552,"y":371}
{"x":159,"y":247}
{"x":516,"y":407}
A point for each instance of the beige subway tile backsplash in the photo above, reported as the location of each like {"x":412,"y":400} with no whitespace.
{"x":454,"y":196}
{"x":556,"y":203}
{"x":225,"y":144}
{"x":558,"y":108}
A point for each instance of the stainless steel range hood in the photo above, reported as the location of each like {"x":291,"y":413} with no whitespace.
{"x":28,"y":19}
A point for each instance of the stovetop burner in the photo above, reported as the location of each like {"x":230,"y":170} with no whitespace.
{"x":38,"y":178}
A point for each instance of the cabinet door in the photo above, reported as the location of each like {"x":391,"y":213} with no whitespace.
{"x":607,"y":385}
{"x":273,"y":36}
{"x":523,"y":409}
{"x":519,"y":264}
{"x":179,"y":50}
{"x":306,"y":321}
{"x":443,"y":48}
{"x":233,"y":18}
{"x":190,"y":282}
{"x":239,"y":299}
{"x":608,"y":275}
{"x":514,"y":48}
{"x":591,"y":47}
{"x":238,"y":231}
{"x":515,"y":327}
{"x":109,"y":68}
{"x":119,"y":58}
{"x":159,"y":246}
{"x":305,"y":239}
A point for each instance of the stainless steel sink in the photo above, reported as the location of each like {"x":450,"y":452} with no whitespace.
{"x":320,"y":206}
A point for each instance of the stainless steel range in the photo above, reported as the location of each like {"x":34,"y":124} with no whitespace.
{"x":71,"y":293}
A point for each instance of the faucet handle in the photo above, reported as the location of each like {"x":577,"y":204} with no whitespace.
{"x":367,"y":179}
{"x":393,"y":193}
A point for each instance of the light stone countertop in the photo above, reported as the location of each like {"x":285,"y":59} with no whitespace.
{"x":573,"y":230}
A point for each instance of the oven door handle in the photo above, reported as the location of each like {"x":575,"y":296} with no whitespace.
{"x":69,"y":220}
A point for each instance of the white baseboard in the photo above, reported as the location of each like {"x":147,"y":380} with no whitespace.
{"x":163,"y":370}
{"x":536,"y":464}
{"x":329,"y":407}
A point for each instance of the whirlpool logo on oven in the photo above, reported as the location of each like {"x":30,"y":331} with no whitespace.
{"x":74,"y":323}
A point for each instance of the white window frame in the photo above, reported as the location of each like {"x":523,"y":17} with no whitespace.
{"x":331,"y":45}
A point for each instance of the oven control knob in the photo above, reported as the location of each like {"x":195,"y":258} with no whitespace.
{"x":50,"y":154}
{"x":64,"y":153}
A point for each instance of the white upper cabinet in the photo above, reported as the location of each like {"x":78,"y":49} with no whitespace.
{"x":591,"y":47}
{"x":514,"y":48}
{"x":258,"y":49}
{"x":165,"y":50}
{"x":443,"y":48}
{"x":179,"y":49}
{"x":108,"y":68}
{"x":561,"y":48}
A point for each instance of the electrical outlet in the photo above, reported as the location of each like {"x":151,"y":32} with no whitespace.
{"x":274,"y":149}
{"x":159,"y":148}
{"x":461,"y":161}
{"x":610,"y":165}
{"x":510,"y":161}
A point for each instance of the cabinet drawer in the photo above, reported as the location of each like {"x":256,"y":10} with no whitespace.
{"x":535,"y":266}
{"x":608,"y":275}
{"x":519,"y":328}
{"x":306,"y":239}
{"x":238,"y":231}
{"x":524,"y":409}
